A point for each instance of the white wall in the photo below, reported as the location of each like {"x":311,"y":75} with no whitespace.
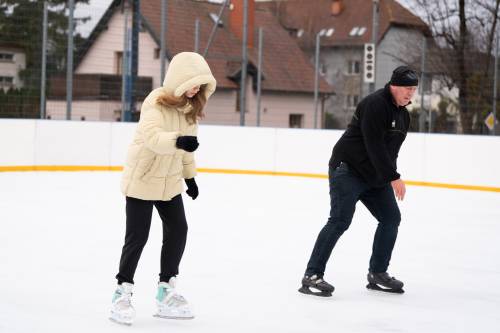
{"x":95,"y":110}
{"x":12,"y":68}
{"x":275,"y":108}
{"x":440,"y":158}
{"x":17,"y":142}
{"x":101,"y":56}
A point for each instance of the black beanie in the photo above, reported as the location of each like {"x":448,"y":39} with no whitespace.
{"x":404,"y":76}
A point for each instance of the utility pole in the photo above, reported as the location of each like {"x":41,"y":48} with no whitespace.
{"x":69,"y":64}
{"x":214,"y":28}
{"x":44,"y":62}
{"x":125,"y":116}
{"x":135,"y":54}
{"x":197,"y":36}
{"x":375,"y":20}
{"x":163,"y":37}
{"x":421,"y":117}
{"x":259,"y":75}
{"x":495,"y":88}
{"x":321,"y":33}
{"x":244,"y":64}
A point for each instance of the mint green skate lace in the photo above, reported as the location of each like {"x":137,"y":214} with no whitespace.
{"x":173,"y":297}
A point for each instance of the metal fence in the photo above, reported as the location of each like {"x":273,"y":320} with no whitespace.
{"x":43,"y":46}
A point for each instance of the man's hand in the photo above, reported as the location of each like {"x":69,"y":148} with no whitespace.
{"x":399,"y":188}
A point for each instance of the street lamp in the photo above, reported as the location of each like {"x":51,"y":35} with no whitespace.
{"x":321,"y":33}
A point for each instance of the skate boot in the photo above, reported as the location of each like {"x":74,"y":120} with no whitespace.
{"x":171,"y":304}
{"x":384,"y":282}
{"x":315,"y":285}
{"x":122,"y":311}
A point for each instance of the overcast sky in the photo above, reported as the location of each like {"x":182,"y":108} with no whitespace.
{"x":96,"y":8}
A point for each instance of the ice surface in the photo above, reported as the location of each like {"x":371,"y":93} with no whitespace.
{"x":249,"y":240}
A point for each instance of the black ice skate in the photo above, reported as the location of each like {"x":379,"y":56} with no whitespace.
{"x":315,"y":285}
{"x":384,"y":282}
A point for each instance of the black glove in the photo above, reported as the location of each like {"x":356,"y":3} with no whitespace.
{"x":192,"y":190}
{"x":187,"y":143}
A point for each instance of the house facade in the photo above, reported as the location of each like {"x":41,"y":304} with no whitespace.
{"x":12,"y":61}
{"x":288,"y":76}
{"x":342,"y":53}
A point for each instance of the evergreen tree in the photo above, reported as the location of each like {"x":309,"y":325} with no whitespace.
{"x":21,"y":23}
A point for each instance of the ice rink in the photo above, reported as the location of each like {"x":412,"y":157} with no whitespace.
{"x":248,"y":243}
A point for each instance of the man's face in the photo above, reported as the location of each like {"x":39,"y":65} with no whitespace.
{"x":403,"y":95}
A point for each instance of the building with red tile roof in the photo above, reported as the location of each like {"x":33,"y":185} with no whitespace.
{"x":399,"y":39}
{"x":287,"y":72}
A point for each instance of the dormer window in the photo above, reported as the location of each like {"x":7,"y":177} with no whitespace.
{"x":357,"y":31}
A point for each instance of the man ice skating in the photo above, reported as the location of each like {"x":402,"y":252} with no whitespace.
{"x":363,"y":167}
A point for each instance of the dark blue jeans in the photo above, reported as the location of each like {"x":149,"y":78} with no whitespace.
{"x":346,"y":188}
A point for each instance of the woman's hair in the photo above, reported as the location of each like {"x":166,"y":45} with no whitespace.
{"x":197,"y":103}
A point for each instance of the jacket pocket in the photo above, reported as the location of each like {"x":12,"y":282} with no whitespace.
{"x":150,"y":169}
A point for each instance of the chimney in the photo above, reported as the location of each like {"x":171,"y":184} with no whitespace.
{"x":236,"y":19}
{"x":337,"y":7}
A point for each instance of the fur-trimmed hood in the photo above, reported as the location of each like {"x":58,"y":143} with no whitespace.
{"x":187,"y":70}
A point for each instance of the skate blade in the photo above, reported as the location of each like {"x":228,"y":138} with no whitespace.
{"x":174,"y":317}
{"x":373,"y":286}
{"x":308,"y":291}
{"x":126,"y":323}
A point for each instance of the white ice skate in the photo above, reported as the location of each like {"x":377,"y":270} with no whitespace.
{"x":122,"y":311}
{"x":171,"y":304}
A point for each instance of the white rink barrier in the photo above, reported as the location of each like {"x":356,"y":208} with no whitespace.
{"x":457,"y":161}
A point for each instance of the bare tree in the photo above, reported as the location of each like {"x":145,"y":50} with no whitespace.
{"x":464,"y":33}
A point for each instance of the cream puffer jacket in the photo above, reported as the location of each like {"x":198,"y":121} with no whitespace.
{"x":155,"y":168}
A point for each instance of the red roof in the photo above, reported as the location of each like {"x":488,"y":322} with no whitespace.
{"x":313,"y":15}
{"x":286,"y":68}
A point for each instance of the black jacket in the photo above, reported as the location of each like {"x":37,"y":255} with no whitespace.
{"x":371,"y":143}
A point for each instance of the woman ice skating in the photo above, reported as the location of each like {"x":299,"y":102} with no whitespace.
{"x":159,"y":158}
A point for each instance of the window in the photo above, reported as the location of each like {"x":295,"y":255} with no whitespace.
{"x":322,"y":69}
{"x":352,"y":101}
{"x":6,"y":56}
{"x":156,"y":53}
{"x":293,"y":32}
{"x":237,"y":100}
{"x":354,"y":31}
{"x":353,"y":67}
{"x":119,"y":62}
{"x":295,"y":120}
{"x":117,"y":114}
{"x":238,"y":97}
{"x":357,"y":31}
{"x":6,"y":80}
